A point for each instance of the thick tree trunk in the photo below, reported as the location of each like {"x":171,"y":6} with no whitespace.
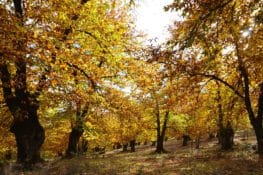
{"x":226,"y":137}
{"x":29,"y":135}
{"x":74,"y":137}
{"x":260,"y":144}
{"x":23,"y":105}
{"x":132,"y":145}
{"x":257,"y":123}
{"x":159,"y":146}
{"x":186,"y":138}
{"x":76,"y":131}
{"x":259,"y":135}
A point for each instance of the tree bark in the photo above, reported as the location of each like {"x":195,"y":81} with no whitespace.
{"x":23,"y":105}
{"x":83,"y":146}
{"x":159,"y":146}
{"x":29,"y":136}
{"x":186,"y":138}
{"x":226,"y":137}
{"x":74,"y":137}
{"x":259,"y":136}
{"x":29,"y":133}
{"x":132,"y":145}
{"x":76,"y":131}
{"x":77,"y":128}
{"x":255,"y":119}
{"x":161,"y":132}
{"x":257,"y":123}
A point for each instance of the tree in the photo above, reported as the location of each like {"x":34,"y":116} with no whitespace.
{"x":22,"y":103}
{"x":98,"y":65}
{"x":214,"y":36}
{"x":42,"y":48}
{"x":128,"y":116}
{"x":156,"y":93}
{"x":77,"y":130}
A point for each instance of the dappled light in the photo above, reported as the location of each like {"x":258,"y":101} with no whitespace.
{"x":131,"y":87}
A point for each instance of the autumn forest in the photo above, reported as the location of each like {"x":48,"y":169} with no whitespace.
{"x":80,"y":84}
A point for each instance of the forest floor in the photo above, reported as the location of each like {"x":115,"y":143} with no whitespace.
{"x":208,"y":160}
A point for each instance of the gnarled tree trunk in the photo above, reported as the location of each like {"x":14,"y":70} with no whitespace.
{"x":29,"y":136}
{"x":29,"y":133}
{"x":74,"y":137}
{"x":22,"y":104}
{"x":76,"y":131}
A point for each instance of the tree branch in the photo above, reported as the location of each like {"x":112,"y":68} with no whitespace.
{"x":95,"y":38}
{"x":18,"y":7}
{"x":245,"y":76}
{"x":214,"y":77}
{"x":92,"y":82}
{"x":192,"y":34}
{"x":166,"y":117}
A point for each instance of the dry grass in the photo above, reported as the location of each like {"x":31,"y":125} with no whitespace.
{"x":179,"y":161}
